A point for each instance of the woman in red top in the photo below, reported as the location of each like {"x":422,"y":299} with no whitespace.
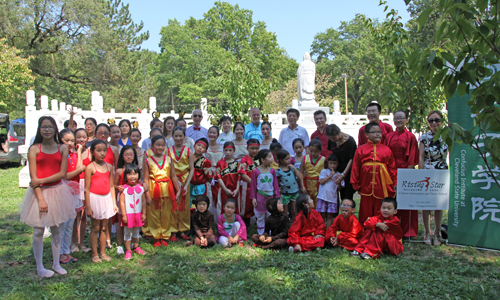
{"x":46,"y":200}
{"x":404,"y":147}
{"x":99,"y":198}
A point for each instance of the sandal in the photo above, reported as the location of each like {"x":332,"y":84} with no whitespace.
{"x":85,"y":249}
{"x":96,"y":259}
{"x":65,"y":260}
{"x":437,"y":241}
{"x":72,"y":259}
{"x":106,"y":257}
{"x":74,"y":248}
{"x":427,"y":240}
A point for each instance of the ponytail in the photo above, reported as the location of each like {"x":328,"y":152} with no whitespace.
{"x":301,"y":204}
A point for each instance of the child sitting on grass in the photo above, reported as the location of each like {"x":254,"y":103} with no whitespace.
{"x":230,"y":226}
{"x":348,"y":226}
{"x":203,"y":223}
{"x":382,"y":233}
{"x":308,"y":230}
{"x":277,"y":224}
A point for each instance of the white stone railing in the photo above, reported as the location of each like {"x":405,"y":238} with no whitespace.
{"x":349,"y":124}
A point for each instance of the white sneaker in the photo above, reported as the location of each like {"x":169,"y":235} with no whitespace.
{"x":119,"y":250}
{"x":46,"y":232}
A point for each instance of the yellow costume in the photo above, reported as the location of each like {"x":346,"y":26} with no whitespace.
{"x":159,"y":214}
{"x":181,"y":220}
{"x":275,"y":165}
{"x":312,"y":171}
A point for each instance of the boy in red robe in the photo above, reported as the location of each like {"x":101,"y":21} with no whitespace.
{"x":373,"y":173}
{"x":383,"y":233}
{"x":348,"y":225}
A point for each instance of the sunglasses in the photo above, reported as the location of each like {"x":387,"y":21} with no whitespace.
{"x":436,"y":120}
{"x":197,"y":116}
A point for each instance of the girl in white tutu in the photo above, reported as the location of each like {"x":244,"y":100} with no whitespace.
{"x":99,"y":198}
{"x":73,"y":180}
{"x":46,"y":202}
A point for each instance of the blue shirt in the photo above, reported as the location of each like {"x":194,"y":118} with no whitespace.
{"x":253,"y":132}
{"x":200,"y":132}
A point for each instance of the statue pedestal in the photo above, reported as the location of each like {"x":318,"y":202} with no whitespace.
{"x":307,"y":112}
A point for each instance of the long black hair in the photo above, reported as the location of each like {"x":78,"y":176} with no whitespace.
{"x":128,"y":123}
{"x":121,"y":160}
{"x":94,"y":145}
{"x":301,"y":204}
{"x":39,"y":138}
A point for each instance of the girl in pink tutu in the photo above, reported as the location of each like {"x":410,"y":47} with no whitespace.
{"x":46,"y":202}
{"x":132,"y":203}
{"x":73,"y":180}
{"x":99,"y":198}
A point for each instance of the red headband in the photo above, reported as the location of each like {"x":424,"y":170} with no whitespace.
{"x":229,"y":146}
{"x":201,"y":142}
{"x":253,"y":144}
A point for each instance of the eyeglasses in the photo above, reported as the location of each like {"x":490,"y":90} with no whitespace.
{"x":47,"y":128}
{"x":375,"y":132}
{"x":102,"y":133}
{"x":436,"y":120}
{"x":345,"y":205}
{"x":128,"y":154}
{"x":197,"y":116}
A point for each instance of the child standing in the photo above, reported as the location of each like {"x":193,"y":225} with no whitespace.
{"x":277,"y":224}
{"x":183,"y":159}
{"x":45,"y":203}
{"x":230,"y":226}
{"x":275,"y":148}
{"x":373,"y":173}
{"x":382,"y":233}
{"x":73,"y":180}
{"x":240,"y":144}
{"x":247,"y":165}
{"x":311,"y":168}
{"x":127,"y":156}
{"x":308,"y":230}
{"x":214,"y":154}
{"x":202,"y":171}
{"x":265,"y":128}
{"x":203,"y":223}
{"x":161,"y":180}
{"x":289,"y":186}
{"x":298,"y":148}
{"x":80,"y":225}
{"x":226,"y":135}
{"x":99,"y":198}
{"x":133,"y":204}
{"x":263,"y":186}
{"x":149,"y":152}
{"x":135,"y":138}
{"x":228,"y":177}
{"x":327,"y":194}
{"x":347,"y":223}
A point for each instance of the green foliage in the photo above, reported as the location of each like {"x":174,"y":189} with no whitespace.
{"x":243,"y":89}
{"x":15,"y":79}
{"x":201,"y":53}
{"x":76,"y":46}
{"x":467,"y":63}
{"x":402,"y":87}
{"x":350,"y":49}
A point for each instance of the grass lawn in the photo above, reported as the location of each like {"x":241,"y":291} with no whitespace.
{"x":420,"y":272}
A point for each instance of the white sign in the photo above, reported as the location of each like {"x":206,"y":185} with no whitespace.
{"x":427,"y":189}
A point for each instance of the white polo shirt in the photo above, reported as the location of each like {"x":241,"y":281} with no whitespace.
{"x":287,"y":136}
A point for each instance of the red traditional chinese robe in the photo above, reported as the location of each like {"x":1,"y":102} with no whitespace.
{"x":384,"y":127}
{"x":324,"y":141}
{"x":373,"y":176}
{"x":404,"y":147}
{"x":351,"y":231}
{"x":375,"y":241}
{"x":303,"y":231}
{"x":231,"y":178}
{"x":200,"y":176}
{"x":247,"y":165}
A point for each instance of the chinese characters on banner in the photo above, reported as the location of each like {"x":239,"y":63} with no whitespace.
{"x":474,"y":216}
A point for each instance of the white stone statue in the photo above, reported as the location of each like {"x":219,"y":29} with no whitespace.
{"x":306,"y":74}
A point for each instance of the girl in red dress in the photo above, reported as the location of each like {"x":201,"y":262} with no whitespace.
{"x":247,"y":165}
{"x":228,"y":177}
{"x":308,"y":230}
{"x":99,"y":198}
{"x":46,"y":200}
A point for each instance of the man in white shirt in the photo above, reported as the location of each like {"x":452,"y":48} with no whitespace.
{"x":292,"y":132}
{"x":196,"y":131}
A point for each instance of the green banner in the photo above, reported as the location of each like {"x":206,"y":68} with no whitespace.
{"x":474,"y":215}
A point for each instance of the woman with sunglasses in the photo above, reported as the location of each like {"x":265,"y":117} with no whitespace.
{"x":432,"y":155}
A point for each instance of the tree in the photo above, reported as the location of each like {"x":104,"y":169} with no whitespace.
{"x":351,"y":50}
{"x":15,"y":79}
{"x":466,"y":65}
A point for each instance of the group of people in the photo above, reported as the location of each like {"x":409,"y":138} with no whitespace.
{"x":183,"y":182}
